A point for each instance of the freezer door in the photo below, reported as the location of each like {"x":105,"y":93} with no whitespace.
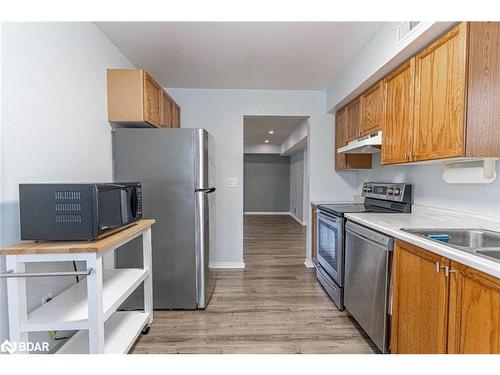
{"x":205,"y":245}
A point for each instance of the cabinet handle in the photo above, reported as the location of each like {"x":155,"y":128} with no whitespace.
{"x":447,"y":269}
{"x":406,"y":155}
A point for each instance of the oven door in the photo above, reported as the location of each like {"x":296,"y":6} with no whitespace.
{"x":330,"y":243}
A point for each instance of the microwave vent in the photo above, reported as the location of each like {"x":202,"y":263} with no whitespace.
{"x":405,"y":28}
{"x":67,"y":195}
{"x":68,"y":206}
{"x":68,"y":218}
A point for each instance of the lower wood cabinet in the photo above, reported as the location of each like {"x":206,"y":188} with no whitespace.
{"x":474,"y":311}
{"x":314,"y":217}
{"x":440,"y":306}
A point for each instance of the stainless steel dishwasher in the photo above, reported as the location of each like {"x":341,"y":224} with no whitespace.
{"x":367,"y":288}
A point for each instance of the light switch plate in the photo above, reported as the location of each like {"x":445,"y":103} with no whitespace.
{"x":232,"y":182}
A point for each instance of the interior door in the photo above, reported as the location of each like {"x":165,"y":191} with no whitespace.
{"x":440,"y":97}
{"x":397,"y":127}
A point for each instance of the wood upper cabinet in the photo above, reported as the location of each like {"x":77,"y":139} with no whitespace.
{"x":441,"y":306}
{"x":440,"y":82}
{"x":176,"y":115}
{"x":483,"y":90}
{"x":420,"y":297}
{"x":372,"y":109}
{"x":474,"y":317}
{"x":347,"y":161}
{"x":340,"y":126}
{"x":453,"y":110}
{"x":166,"y":111}
{"x":397,"y":127}
{"x":136,"y":99}
{"x":353,"y":120}
{"x":153,"y":98}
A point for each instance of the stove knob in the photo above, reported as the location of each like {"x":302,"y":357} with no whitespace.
{"x":390,"y":191}
{"x":397,"y":191}
{"x":369,"y":189}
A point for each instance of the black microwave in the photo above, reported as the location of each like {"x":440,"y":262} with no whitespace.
{"x":77,"y":211}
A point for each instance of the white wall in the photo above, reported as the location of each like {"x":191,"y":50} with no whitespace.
{"x":54,"y":126}
{"x":297,"y":134}
{"x":379,"y":57}
{"x":383,"y":54}
{"x":221,"y":113}
{"x":297,"y":173}
{"x":431,"y":190}
{"x":262,"y":148}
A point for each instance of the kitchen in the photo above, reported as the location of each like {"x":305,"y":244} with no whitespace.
{"x":350,"y":162}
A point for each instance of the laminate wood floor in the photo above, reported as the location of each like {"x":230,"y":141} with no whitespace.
{"x":274,"y":305}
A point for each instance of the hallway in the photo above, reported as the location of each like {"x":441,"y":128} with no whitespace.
{"x":274,"y":305}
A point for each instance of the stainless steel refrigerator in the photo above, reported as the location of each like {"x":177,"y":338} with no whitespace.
{"x":177,"y":170}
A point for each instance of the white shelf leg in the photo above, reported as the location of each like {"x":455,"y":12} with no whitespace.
{"x":16,"y":294}
{"x":148,"y":282}
{"x":94,"y":296}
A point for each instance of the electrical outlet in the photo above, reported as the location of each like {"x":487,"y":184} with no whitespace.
{"x":46,"y":298}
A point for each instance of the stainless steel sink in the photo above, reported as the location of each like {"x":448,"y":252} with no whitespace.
{"x":490,"y":253}
{"x":481,"y":242}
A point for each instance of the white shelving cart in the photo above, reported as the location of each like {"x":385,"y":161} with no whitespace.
{"x":89,"y":306}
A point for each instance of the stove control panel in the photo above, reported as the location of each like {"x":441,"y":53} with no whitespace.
{"x":388,"y":191}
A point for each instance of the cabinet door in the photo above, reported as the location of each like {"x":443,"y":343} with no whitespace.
{"x":474,"y":318}
{"x":372,"y":109}
{"x":166,"y":113}
{"x":353,"y":119}
{"x":483,"y":90}
{"x":420,"y":301}
{"x":153,"y":97}
{"x":440,"y":97}
{"x":340,"y":127}
{"x":397,"y":127}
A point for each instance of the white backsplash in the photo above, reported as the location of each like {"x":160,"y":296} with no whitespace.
{"x":431,"y":190}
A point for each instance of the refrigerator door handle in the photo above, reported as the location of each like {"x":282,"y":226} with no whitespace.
{"x":207,"y":190}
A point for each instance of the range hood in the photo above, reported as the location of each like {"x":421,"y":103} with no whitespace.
{"x":369,"y":144}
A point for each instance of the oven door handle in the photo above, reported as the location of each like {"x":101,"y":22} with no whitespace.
{"x":330,"y":217}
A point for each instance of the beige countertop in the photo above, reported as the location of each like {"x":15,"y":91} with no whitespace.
{"x":97,"y":246}
{"x":425,"y":217}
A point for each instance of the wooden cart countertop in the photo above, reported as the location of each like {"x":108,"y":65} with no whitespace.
{"x":59,"y":247}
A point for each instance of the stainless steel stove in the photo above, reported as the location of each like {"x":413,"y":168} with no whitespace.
{"x":379,"y":198}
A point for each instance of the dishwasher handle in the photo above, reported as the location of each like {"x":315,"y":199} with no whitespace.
{"x":370,"y":235}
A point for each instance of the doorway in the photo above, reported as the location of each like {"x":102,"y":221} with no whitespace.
{"x":275,"y":183}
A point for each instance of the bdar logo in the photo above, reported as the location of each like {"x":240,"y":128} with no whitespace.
{"x":8,"y":347}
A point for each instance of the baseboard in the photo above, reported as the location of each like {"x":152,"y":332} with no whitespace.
{"x":297,"y":219}
{"x":267,"y":213}
{"x":227,"y":265}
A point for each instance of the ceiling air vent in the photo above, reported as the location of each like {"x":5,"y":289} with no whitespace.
{"x":405,"y":28}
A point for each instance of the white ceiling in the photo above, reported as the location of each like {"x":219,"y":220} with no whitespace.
{"x":244,"y":55}
{"x":256,"y":128}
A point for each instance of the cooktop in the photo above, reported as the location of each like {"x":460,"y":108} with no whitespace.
{"x":379,"y":197}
